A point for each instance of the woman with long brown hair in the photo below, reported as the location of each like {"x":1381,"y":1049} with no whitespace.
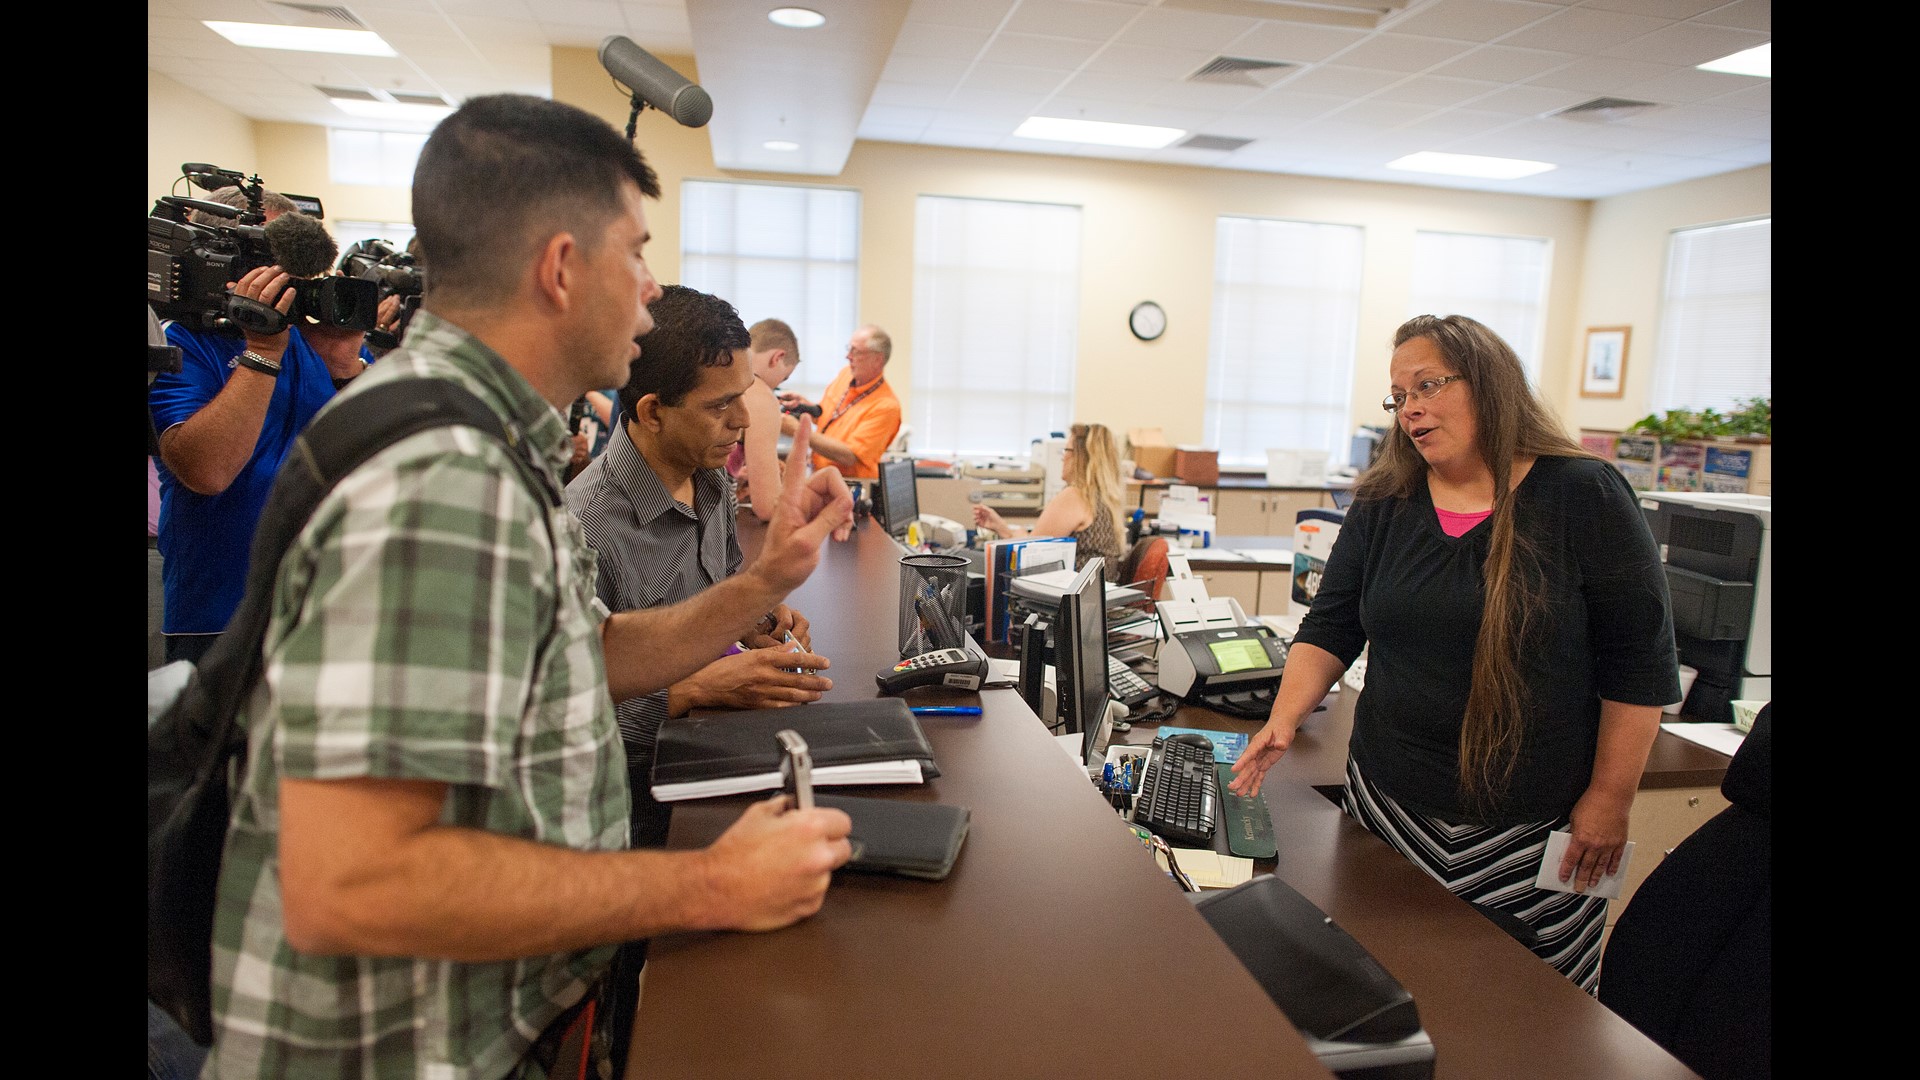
{"x":1520,"y":642}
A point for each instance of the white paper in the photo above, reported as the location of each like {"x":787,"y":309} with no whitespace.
{"x":1549,"y":877}
{"x":906,"y":771}
{"x":1722,"y":737}
{"x":1267,"y":555}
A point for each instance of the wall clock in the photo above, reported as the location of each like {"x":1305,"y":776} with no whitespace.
{"x":1147,"y":320}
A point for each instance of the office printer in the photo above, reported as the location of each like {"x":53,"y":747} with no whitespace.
{"x":1718,"y":551}
{"x":1357,"y":1019}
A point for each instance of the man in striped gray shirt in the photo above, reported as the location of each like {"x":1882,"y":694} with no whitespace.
{"x":659,"y":510}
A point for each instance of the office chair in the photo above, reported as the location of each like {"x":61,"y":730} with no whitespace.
{"x":899,"y":443}
{"x":1690,"y":960}
{"x":1145,"y":565}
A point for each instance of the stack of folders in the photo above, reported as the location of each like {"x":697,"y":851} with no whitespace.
{"x":732,"y":753}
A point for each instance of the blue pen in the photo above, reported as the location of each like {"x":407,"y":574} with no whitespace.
{"x":945,"y":710}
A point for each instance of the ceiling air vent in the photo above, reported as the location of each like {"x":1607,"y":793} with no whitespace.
{"x":1605,"y":110}
{"x":408,"y":98}
{"x":1242,"y":71}
{"x":1210,"y":142}
{"x":325,"y":13}
{"x":343,"y":92}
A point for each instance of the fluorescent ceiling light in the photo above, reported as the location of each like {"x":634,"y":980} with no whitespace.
{"x":1142,"y":136}
{"x":1490,"y":168}
{"x":780,"y":144}
{"x":393,"y":110}
{"x":1755,"y":61}
{"x":302,"y":38}
{"x":798,"y":18}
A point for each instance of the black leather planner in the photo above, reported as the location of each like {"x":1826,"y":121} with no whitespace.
{"x":895,"y":836}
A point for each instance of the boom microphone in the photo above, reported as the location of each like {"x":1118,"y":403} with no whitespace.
{"x":654,"y":82}
{"x":301,"y":245}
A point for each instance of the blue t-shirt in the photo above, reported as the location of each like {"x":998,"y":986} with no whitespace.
{"x":205,"y":539}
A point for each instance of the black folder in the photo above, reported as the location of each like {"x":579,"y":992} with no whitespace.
{"x":729,"y":753}
{"x":895,"y":836}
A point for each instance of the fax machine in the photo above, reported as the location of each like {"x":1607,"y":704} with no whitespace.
{"x":1234,"y":669}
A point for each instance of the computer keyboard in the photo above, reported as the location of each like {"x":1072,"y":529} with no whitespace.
{"x":1179,"y":793}
{"x":1126,"y":686}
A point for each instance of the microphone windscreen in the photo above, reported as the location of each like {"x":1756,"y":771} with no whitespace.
{"x":300,"y":245}
{"x":657,"y":84}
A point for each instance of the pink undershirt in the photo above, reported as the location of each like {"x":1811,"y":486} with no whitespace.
{"x":1457,"y":524}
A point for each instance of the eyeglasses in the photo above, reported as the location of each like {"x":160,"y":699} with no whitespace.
{"x":1423,"y":391}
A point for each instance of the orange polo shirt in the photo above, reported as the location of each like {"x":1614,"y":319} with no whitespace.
{"x":867,"y":426}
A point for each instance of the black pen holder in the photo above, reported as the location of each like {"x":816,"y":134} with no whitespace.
{"x":933,"y":603}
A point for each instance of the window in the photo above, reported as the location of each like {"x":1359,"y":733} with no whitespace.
{"x":347,"y":232}
{"x":1716,"y":318}
{"x":779,"y":251}
{"x":1286,"y":313}
{"x":376,"y":158}
{"x":1498,"y":280}
{"x":996,"y":308}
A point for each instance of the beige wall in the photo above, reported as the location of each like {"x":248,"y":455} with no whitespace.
{"x":185,"y":125}
{"x":1626,"y":272}
{"x":1148,"y":233}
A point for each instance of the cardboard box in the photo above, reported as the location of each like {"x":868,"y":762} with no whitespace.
{"x":1150,"y":450}
{"x":1198,"y":467}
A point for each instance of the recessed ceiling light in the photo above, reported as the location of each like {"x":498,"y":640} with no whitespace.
{"x":780,"y":144}
{"x":302,"y":38}
{"x":1489,"y":168}
{"x":1755,"y":61}
{"x":393,"y":110}
{"x":798,"y":18}
{"x":1099,"y":132}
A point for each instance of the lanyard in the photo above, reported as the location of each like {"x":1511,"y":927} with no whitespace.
{"x":849,"y":401}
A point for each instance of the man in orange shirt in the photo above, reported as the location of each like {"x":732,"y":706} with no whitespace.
{"x":859,"y":415}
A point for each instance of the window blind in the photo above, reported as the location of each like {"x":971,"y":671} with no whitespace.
{"x":781,"y":251}
{"x":1286,"y":312}
{"x":996,"y":306}
{"x":1498,"y":280}
{"x":1716,"y":318}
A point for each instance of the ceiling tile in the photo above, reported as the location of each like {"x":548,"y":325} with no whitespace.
{"x":1468,"y":20}
{"x":925,"y":70}
{"x":977,"y":14}
{"x":1433,"y":92}
{"x":1185,"y":29}
{"x":1688,"y":44}
{"x":1746,"y":14}
{"x":1664,"y":9}
{"x":1148,"y":62}
{"x":1498,"y":63}
{"x":1613,"y":77}
{"x":1032,"y":50}
{"x":1350,"y":82}
{"x":909,"y":95}
{"x":1082,"y":19}
{"x":942,"y":41}
{"x":1291,"y":41}
{"x":1007,"y":78}
{"x":1402,"y":52}
{"x":1583,"y":31}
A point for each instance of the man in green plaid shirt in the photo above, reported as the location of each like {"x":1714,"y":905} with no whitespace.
{"x":426,"y":872}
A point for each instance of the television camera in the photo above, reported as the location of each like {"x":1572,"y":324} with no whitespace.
{"x":395,"y":273}
{"x":190,"y":265}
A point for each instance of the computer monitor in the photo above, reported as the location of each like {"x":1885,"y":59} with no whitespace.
{"x":1080,"y":659}
{"x":895,"y":499}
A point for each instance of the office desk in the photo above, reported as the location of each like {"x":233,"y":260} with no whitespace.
{"x":1046,"y":953}
{"x":1056,"y":948}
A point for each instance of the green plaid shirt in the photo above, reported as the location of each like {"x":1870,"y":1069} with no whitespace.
{"x":424,"y":628}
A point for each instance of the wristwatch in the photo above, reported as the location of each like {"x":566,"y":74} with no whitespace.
{"x":259,"y":363}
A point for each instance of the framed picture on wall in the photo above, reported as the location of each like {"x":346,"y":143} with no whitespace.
{"x":1605,"y":371}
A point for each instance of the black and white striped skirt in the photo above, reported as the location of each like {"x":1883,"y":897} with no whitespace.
{"x":1494,"y":867}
